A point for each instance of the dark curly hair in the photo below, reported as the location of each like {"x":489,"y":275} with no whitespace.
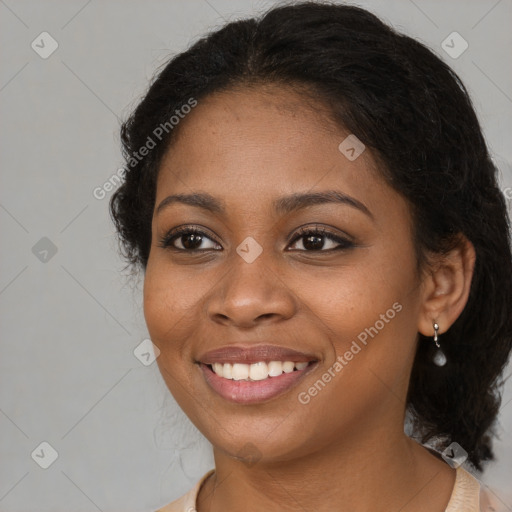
{"x":414,"y":114}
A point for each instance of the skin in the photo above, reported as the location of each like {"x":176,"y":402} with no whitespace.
{"x":345,"y":449}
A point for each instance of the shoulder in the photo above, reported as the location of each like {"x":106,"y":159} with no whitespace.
{"x":187,"y":502}
{"x":469,"y":496}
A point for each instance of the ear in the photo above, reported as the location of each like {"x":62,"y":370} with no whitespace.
{"x":446,"y":287}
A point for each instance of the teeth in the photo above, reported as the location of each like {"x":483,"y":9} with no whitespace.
{"x":240,"y":371}
{"x":256,"y":371}
{"x":275,"y":368}
{"x":288,"y":367}
{"x":218,"y":369}
{"x":227,"y":371}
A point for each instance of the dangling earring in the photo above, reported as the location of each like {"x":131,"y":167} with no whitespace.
{"x":439,"y":358}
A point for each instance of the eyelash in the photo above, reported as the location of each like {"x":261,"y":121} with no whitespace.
{"x":167,"y":241}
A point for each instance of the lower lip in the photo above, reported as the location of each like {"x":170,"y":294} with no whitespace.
{"x":250,"y":392}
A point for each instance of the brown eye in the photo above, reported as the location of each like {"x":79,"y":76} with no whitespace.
{"x":321,"y":240}
{"x":189,"y":238}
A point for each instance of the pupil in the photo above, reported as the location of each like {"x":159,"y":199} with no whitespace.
{"x":191,"y":241}
{"x":316,"y":242}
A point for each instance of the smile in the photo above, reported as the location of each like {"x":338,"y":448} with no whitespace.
{"x":256,"y":371}
{"x":254,"y":374}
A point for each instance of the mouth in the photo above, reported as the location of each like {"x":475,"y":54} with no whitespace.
{"x":256,"y":374}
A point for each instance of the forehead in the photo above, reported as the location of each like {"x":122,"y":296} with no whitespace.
{"x":262,"y":142}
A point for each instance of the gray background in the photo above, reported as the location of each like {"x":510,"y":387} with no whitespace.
{"x":71,"y":320}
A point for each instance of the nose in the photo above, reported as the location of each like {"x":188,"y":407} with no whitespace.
{"x":250,"y":294}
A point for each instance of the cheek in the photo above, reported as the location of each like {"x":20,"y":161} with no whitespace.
{"x":171,"y":301}
{"x":367,"y":372}
{"x":369,"y":310}
{"x":352,"y":298}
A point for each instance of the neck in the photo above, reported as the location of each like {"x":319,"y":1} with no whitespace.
{"x":366,"y":471}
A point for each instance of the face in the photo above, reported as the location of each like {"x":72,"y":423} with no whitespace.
{"x":291,"y":252}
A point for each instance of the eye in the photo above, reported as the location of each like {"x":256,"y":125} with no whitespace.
{"x":190,"y":239}
{"x":313,"y":240}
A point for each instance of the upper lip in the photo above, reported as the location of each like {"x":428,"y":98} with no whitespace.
{"x":254,"y":354}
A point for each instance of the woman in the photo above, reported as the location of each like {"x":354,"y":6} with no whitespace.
{"x":326,"y":253}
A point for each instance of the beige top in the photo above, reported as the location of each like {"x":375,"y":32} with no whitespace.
{"x":467,"y":496}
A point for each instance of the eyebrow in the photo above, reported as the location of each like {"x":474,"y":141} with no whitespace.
{"x":282,"y":205}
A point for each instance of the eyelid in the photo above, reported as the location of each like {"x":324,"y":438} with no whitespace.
{"x":344,"y":240}
{"x":167,"y":240}
{"x":308,"y":228}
